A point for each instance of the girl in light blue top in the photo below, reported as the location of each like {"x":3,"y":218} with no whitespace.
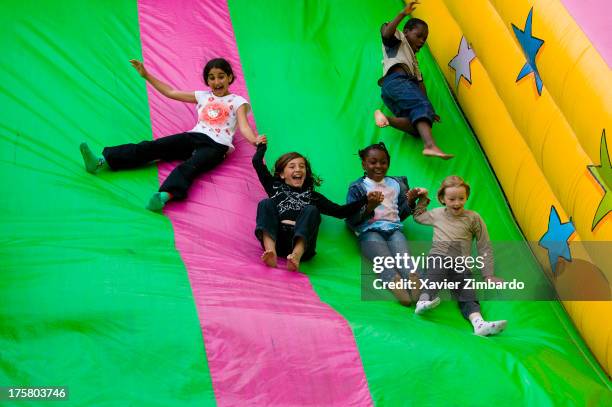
{"x":379,"y":224}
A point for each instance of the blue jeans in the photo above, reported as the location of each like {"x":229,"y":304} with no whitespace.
{"x":374,"y":243}
{"x":403,"y":96}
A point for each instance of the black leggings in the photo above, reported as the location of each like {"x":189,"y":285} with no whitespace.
{"x":306,"y":227}
{"x":198,"y":152}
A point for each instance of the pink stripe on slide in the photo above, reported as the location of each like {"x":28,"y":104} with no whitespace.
{"x":269,"y":339}
{"x":593,"y":16}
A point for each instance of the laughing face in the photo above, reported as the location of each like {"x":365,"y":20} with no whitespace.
{"x":454,"y":199}
{"x":417,"y":36}
{"x":294,"y":173}
{"x":219,"y":82}
{"x":375,"y":165}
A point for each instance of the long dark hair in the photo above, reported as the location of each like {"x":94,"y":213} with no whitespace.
{"x":219,"y":63}
{"x":311,"y":179}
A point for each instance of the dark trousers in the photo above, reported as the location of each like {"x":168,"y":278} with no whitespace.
{"x":306,"y":227}
{"x":198,"y":152}
{"x":465,"y":297}
{"x":403,"y":96}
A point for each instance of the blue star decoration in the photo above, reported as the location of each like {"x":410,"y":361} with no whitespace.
{"x":555,"y":238}
{"x":531,"y":45}
{"x":461,"y":62}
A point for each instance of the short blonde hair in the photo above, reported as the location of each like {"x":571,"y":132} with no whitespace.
{"x":452,"y":181}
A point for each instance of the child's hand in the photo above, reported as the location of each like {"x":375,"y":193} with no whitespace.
{"x":261,"y":139}
{"x":494,"y":279}
{"x":377,"y":195}
{"x":415,"y":193}
{"x":410,"y":7}
{"x":139,"y":66}
{"x":411,"y":195}
{"x":375,"y":198}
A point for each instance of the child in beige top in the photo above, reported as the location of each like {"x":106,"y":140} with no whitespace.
{"x":454,"y":229}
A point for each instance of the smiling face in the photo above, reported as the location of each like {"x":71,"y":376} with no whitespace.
{"x":375,"y":164}
{"x":417,"y":36}
{"x":454,"y":199}
{"x":219,"y":82}
{"x":294,"y":173}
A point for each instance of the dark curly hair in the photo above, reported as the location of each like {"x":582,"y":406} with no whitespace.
{"x":413,"y":23}
{"x":379,"y":146}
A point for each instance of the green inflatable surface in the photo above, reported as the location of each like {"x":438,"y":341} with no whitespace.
{"x":311,"y":72}
{"x":93,"y":294}
{"x":103,"y":305}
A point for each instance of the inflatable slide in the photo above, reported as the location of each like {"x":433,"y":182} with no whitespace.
{"x":123,"y":306}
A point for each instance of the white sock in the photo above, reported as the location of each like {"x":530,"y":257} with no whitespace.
{"x":425,"y":305}
{"x":485,"y":328}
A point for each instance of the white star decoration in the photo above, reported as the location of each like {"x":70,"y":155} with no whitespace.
{"x":461,"y":62}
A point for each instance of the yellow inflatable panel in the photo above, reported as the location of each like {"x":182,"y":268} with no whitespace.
{"x":576,"y":76}
{"x":534,"y":112}
{"x":536,"y":134}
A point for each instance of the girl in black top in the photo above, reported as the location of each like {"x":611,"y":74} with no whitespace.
{"x":288,"y":221}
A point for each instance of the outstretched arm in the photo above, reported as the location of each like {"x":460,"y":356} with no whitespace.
{"x":330,"y":208}
{"x":421,"y":214}
{"x":163,"y":88}
{"x":243,"y":124}
{"x":388,"y":30}
{"x":408,"y":204}
{"x":266,"y":179}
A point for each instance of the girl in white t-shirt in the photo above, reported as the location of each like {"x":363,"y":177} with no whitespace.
{"x":201,"y":149}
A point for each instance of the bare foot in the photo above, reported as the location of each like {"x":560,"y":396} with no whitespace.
{"x":436,"y":152}
{"x":380,"y":119}
{"x":269,"y":257}
{"x":293,"y":262}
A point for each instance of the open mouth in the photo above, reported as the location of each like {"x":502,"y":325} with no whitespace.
{"x":297,"y":179}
